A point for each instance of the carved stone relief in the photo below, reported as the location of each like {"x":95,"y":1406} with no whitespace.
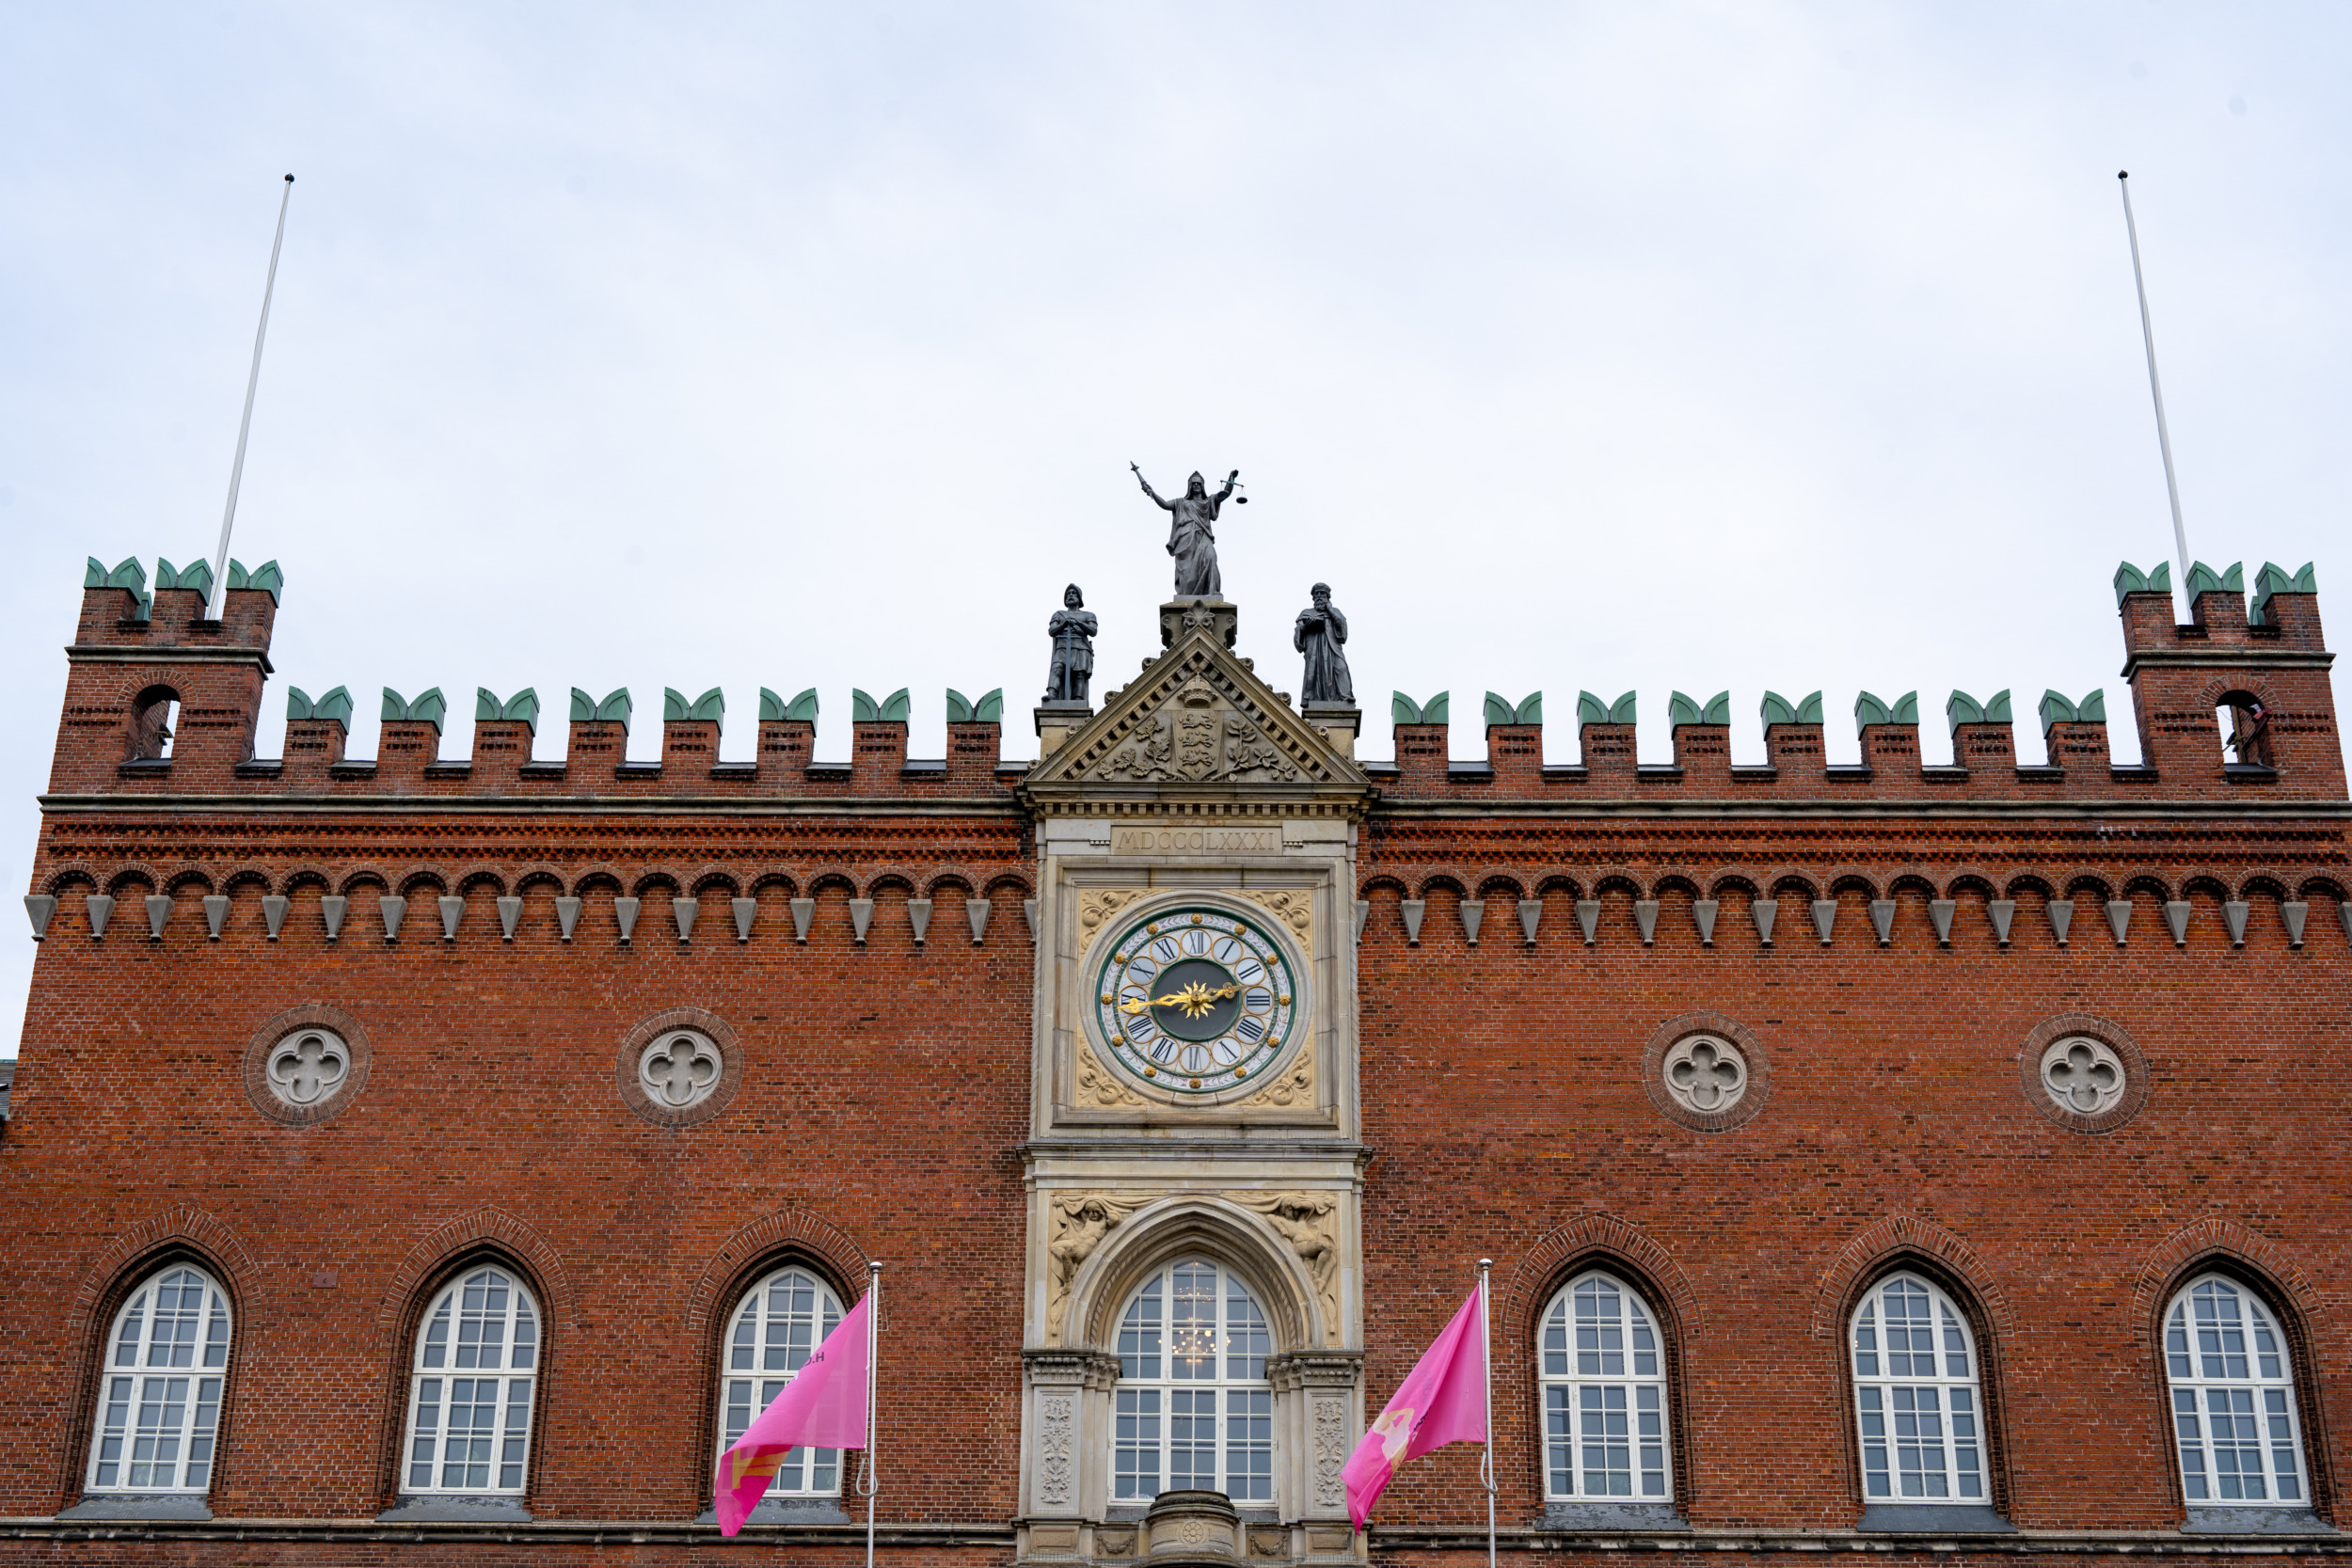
{"x":1202,"y":734}
{"x":1296,"y":1084}
{"x":1080,"y":1221}
{"x":1330,"y":1423}
{"x":1098,"y":904}
{"x":1309,"y":1222}
{"x":1054,"y":1444}
{"x":1293,"y":907}
{"x":1099,"y":1087}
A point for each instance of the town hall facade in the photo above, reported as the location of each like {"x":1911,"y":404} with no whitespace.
{"x":441,"y":1159}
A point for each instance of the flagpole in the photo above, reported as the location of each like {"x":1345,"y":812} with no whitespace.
{"x":873,"y":1345}
{"x":245,"y":426}
{"x":2155,"y":388}
{"x":1487,"y":1362}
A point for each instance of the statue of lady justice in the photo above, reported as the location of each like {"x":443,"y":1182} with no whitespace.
{"x":1191,"y":533}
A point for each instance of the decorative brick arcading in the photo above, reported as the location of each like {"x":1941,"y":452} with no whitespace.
{"x":193,"y":1225}
{"x":1589,"y":1239}
{"x":770,"y":1233}
{"x":479,"y":1228}
{"x":2216,"y":1236}
{"x":1882,"y":1239}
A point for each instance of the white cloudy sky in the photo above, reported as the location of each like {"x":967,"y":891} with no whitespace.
{"x":1601,"y":346}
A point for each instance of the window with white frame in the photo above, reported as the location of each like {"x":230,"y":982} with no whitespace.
{"x":470,"y":1399}
{"x":1917,"y":1403}
{"x":1604,"y":1380}
{"x":159,"y":1399}
{"x":1193,"y":1408}
{"x":782,"y":1321}
{"x":2233,"y":1390}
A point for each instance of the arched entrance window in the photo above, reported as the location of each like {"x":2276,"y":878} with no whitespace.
{"x":470,"y":1399}
{"x":159,"y":1403}
{"x":2233,"y":1390}
{"x":782,"y":1319}
{"x":1917,"y":1404}
{"x":1604,"y":1379}
{"x":1193,"y":1408}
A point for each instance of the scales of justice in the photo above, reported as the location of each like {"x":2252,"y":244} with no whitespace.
{"x":1319,"y":634}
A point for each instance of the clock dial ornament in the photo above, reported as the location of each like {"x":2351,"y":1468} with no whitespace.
{"x":1194,"y":1000}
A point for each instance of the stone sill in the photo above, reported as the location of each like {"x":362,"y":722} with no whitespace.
{"x":598,"y":1532}
{"x":2021,"y":1543}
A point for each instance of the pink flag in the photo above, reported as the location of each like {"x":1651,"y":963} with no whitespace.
{"x":822,"y":1407}
{"x":1443,"y":1400}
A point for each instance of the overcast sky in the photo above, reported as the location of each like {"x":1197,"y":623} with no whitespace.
{"x":1577,"y":346}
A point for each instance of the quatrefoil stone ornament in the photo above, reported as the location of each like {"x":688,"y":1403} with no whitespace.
{"x":306,"y":1066}
{"x":680,"y":1068}
{"x":2082,"y":1075}
{"x":1706,"y":1074}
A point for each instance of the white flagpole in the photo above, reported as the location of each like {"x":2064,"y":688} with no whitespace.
{"x":245,"y":426}
{"x":873,"y":1343}
{"x":1487,"y":1358}
{"x":2155,"y":388}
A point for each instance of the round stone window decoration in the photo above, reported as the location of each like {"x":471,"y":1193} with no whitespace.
{"x":679,"y":1068}
{"x":307,"y":1063}
{"x":1705,"y":1071}
{"x":2083,"y":1072}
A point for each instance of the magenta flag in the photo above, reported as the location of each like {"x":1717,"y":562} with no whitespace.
{"x":822,"y":1407}
{"x":1443,"y":1400}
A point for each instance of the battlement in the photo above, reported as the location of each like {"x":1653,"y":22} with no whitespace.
{"x":2235,"y":704}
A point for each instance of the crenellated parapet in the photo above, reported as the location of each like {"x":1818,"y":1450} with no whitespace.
{"x":2235,"y":704}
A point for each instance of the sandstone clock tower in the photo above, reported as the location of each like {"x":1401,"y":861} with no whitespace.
{"x":1193,"y":1314}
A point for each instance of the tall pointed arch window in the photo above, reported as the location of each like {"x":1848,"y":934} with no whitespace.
{"x":1918,"y":1405}
{"x":2233,"y":1390}
{"x":159,"y":1401}
{"x":470,"y":1397}
{"x":780,"y":1323}
{"x":1603,"y":1373}
{"x":1193,"y":1407}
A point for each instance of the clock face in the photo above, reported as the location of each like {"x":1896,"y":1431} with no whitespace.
{"x":1194,"y":999}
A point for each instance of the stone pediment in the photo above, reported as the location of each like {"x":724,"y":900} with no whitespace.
{"x":1198,"y":718}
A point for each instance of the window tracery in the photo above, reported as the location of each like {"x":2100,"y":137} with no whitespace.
{"x":782,"y":1321}
{"x":470,"y":1399}
{"x":1193,"y":1408}
{"x":1917,"y":1402}
{"x":2233,"y":1393}
{"x":159,"y":1401}
{"x":1602,"y":1369}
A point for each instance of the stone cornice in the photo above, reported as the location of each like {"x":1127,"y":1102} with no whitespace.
{"x":2247,"y":806}
{"x":507,"y":805}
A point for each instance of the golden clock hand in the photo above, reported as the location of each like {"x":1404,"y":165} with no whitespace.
{"x":1195,"y":999}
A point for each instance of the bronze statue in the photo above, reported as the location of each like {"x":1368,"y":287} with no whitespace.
{"x":1320,"y":632}
{"x":1073,"y":631}
{"x":1192,"y":534}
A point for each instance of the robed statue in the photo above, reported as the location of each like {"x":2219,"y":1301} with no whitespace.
{"x":1073,"y":631}
{"x":1320,"y":632}
{"x":1192,"y":533}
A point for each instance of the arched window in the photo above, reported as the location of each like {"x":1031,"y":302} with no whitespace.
{"x":470,"y":1401}
{"x":159,"y":1405}
{"x":1916,"y":1399}
{"x":1604,"y":1379}
{"x":782,"y":1319}
{"x":2232,"y":1398}
{"x":1193,"y":1408}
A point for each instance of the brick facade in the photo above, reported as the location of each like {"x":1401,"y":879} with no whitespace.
{"x":1518,"y":944}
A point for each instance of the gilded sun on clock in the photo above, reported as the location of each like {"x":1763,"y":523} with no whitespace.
{"x":1195,"y":999}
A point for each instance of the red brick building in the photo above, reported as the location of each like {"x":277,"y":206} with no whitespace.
{"x":435,"y":1160}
